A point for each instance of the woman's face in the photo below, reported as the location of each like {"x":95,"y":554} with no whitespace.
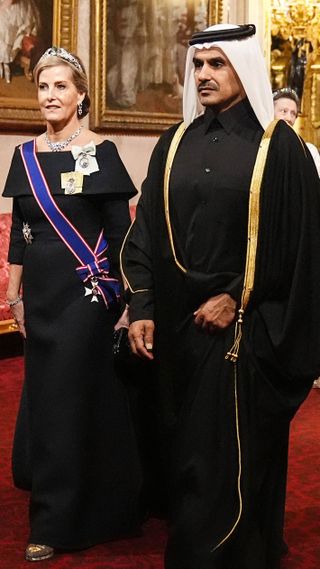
{"x":57,"y":94}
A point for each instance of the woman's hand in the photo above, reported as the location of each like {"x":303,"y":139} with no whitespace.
{"x":18,"y":314}
{"x":123,"y":321}
{"x":14,"y":300}
{"x":217,"y":313}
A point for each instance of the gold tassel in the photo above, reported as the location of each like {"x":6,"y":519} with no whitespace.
{"x":233,"y":353}
{"x":252,"y":237}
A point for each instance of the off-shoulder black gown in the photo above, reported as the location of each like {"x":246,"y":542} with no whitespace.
{"x":84,"y":473}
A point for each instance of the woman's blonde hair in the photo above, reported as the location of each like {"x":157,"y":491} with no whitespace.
{"x":59,"y":56}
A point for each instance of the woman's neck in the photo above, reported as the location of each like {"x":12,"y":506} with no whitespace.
{"x":62,"y":131}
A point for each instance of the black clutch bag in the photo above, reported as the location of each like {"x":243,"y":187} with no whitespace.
{"x":121,"y":346}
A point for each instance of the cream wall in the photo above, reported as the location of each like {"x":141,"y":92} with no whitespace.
{"x":7,"y":145}
{"x":249,"y":12}
{"x":135,"y":151}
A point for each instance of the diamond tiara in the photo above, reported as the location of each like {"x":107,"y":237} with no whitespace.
{"x":63,"y":54}
{"x":283,"y":91}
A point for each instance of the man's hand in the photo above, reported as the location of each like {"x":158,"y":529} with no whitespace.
{"x":217,"y":313}
{"x":141,"y":338}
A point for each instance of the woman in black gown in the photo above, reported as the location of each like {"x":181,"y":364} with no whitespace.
{"x":84,"y":472}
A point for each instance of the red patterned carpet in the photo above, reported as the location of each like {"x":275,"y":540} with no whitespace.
{"x":303,"y":494}
{"x":303,"y":501}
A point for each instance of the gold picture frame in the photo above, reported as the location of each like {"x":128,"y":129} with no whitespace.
{"x":18,"y":102}
{"x":130,"y":85}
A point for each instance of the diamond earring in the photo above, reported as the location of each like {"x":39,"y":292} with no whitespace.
{"x":80,"y":109}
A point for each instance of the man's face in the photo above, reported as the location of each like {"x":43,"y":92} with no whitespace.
{"x":286,"y":109}
{"x":217,"y":82}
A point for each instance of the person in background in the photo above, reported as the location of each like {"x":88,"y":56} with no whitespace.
{"x":286,"y":107}
{"x":70,"y":194}
{"x":223,"y":275}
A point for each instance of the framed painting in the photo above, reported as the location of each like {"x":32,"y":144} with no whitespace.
{"x":138,"y":51}
{"x":27,"y":29}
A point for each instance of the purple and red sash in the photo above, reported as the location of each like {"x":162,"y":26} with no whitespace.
{"x":94,"y":264}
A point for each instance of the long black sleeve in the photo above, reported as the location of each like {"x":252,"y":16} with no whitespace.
{"x":17,"y":243}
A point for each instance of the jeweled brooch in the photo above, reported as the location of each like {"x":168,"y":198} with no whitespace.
{"x":26,"y":232}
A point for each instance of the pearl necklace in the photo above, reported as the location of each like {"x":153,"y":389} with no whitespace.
{"x":58,"y":146}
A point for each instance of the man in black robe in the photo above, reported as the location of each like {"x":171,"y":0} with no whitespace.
{"x":223,"y":270}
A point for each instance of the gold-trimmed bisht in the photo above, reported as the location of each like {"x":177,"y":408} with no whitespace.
{"x":170,"y":157}
{"x":252,"y":240}
{"x":124,"y":276}
{"x":252,"y":237}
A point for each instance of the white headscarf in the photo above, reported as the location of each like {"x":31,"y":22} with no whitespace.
{"x":247,"y":60}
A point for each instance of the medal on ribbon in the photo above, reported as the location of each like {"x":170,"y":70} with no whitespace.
{"x":85,"y":158}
